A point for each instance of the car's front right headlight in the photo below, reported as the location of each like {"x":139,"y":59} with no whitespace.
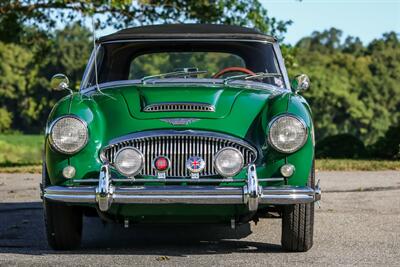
{"x":68,"y":134}
{"x":228,"y":161}
{"x":287,"y":133}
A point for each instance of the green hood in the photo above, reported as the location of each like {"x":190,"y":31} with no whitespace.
{"x":235,"y":108}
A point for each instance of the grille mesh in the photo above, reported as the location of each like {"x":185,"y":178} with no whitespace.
{"x":164,"y":107}
{"x":178,"y":149}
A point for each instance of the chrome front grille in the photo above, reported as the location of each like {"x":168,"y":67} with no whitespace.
{"x":183,"y":107}
{"x":178,"y":147}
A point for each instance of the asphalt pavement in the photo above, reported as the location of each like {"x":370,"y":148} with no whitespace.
{"x":358,"y":223}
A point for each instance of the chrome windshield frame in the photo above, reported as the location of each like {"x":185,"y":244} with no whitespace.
{"x":182,"y":82}
{"x":84,"y":88}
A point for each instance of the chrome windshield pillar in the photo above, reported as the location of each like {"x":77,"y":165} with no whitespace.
{"x":104,"y":190}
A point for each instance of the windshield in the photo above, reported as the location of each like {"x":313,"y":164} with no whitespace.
{"x":165,"y":62}
{"x":162,"y":60}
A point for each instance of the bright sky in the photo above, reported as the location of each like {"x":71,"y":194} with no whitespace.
{"x":367,"y":19}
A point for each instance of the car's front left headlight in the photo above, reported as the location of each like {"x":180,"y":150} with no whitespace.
{"x":68,"y":134}
{"x":287,"y":133}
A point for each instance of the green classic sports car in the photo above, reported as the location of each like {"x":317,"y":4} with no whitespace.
{"x":181,"y":124}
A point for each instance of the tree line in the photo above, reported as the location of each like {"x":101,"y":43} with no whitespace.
{"x":355,"y":90}
{"x":354,"y":94}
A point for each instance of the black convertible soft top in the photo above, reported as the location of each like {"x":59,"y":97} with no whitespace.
{"x":187,"y":31}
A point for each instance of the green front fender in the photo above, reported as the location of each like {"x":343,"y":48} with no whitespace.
{"x":302,"y":159}
{"x":86,"y":162}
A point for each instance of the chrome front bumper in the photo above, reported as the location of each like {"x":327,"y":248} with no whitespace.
{"x":252,"y":194}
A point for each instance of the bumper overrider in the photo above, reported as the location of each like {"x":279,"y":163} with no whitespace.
{"x":251,"y":194}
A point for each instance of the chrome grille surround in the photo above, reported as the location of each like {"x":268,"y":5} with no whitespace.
{"x":179,"y":106}
{"x":178,"y":146}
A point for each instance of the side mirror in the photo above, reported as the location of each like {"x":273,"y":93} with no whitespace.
{"x":59,"y":82}
{"x":300,"y":83}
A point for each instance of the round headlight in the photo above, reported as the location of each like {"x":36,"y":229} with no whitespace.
{"x":68,"y":134}
{"x":287,"y":133}
{"x":228,"y":161}
{"x":129,"y":161}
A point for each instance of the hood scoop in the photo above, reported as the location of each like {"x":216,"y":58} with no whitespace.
{"x":179,"y":107}
{"x":201,"y":102}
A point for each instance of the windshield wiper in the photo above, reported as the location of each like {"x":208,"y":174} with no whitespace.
{"x":184,"y":73}
{"x":259,"y":75}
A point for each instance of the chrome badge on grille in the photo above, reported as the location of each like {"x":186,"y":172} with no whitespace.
{"x":179,"y":121}
{"x":195,"y":165}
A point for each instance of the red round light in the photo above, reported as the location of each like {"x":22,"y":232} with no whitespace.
{"x":161,"y":164}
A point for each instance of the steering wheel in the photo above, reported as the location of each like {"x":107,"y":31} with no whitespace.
{"x":233,"y":69}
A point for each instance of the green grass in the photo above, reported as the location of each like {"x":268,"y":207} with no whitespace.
{"x":23,"y":153}
{"x":356,"y":165}
{"x":22,"y":169}
{"x":20,"y":150}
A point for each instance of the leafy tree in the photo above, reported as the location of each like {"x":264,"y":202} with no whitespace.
{"x":355,"y":89}
{"x":17,"y":72}
{"x":5,"y":120}
{"x":70,"y":51}
{"x":323,"y":42}
{"x":354,"y":46}
{"x":25,"y":71}
{"x":123,"y":13}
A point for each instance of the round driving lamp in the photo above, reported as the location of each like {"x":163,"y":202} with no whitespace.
{"x":69,"y":172}
{"x":287,"y":170}
{"x":287,"y":133}
{"x":68,"y":134}
{"x":228,"y":161}
{"x":129,"y":161}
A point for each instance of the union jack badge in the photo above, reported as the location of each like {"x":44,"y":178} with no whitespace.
{"x":195,"y":165}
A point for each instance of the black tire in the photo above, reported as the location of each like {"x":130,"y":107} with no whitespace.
{"x":298,"y":223}
{"x":63,"y":223}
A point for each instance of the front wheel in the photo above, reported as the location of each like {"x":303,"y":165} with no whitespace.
{"x":63,"y":225}
{"x":298,"y":223}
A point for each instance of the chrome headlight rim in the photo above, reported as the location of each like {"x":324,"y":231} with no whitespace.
{"x":216,"y":165}
{"x":54,"y":145}
{"x":141,"y":161}
{"x":299,"y":119}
